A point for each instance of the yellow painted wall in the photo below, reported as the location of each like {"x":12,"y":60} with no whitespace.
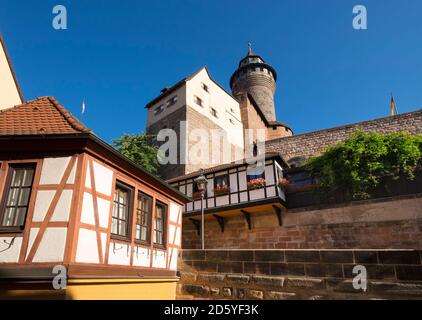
{"x":9,"y":93}
{"x":94,"y":289}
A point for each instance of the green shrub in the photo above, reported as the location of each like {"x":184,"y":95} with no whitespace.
{"x":361,"y":162}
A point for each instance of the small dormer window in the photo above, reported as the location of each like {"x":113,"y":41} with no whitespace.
{"x":205,"y":87}
{"x":198,"y":101}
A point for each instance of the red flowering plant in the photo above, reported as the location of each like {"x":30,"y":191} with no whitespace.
{"x":256,"y":183}
{"x":221,"y":190}
{"x":283,"y":183}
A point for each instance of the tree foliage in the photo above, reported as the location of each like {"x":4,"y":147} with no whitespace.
{"x":139,"y":148}
{"x":359,"y":164}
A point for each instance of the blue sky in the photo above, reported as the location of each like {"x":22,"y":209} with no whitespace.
{"x":120,"y":54}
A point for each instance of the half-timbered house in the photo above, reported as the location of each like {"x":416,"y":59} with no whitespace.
{"x":247,"y":188}
{"x":68,"y":199}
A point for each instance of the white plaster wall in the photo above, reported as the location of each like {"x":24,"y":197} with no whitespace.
{"x":87,"y":250}
{"x":71,"y":179}
{"x":88,"y":179}
{"x":189,"y":190}
{"x":269,"y":175}
{"x":171,"y":233}
{"x":53,"y":170}
{"x":218,"y":99}
{"x":172,"y":252}
{"x":119,"y":254}
{"x":257,"y":194}
{"x":189,"y":206}
{"x":271,"y":192}
{"x":32,"y":235}
{"x":42,"y":203}
{"x":103,"y":212}
{"x":62,"y":211}
{"x":222,"y":201}
{"x":141,"y":257}
{"x":10,"y":249}
{"x":87,"y":215}
{"x":103,"y":178}
{"x":210,"y":187}
{"x":52,"y":246}
{"x":233,"y":182}
{"x":174,"y":210}
{"x":159,"y":259}
{"x":9,"y":93}
{"x":178,"y":239}
{"x":242,"y":181}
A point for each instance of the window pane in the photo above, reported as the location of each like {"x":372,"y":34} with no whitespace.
{"x":17,"y":177}
{"x":12,"y":200}
{"x":24,"y":197}
{"x":144,"y":232}
{"x":159,"y":224}
{"x":115,"y":210}
{"x":122,"y":212}
{"x":138,"y":232}
{"x":114,"y":226}
{"x":17,"y":194}
{"x":8,"y":217}
{"x":20,"y":217}
{"x":122,"y":229}
{"x":27,"y":180}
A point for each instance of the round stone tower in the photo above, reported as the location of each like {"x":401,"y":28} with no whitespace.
{"x":255,"y":77}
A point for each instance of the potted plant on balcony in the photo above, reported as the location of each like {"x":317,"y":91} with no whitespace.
{"x":221,"y":190}
{"x":256,"y":183}
{"x":283,"y":183}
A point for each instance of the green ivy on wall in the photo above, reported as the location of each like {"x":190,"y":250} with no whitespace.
{"x":359,"y":164}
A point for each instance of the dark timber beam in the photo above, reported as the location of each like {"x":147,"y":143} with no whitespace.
{"x":220,"y":221}
{"x":277,"y":211}
{"x":247,"y":216}
{"x":197,"y":225}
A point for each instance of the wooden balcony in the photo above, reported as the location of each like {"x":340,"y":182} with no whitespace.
{"x":236,"y":189}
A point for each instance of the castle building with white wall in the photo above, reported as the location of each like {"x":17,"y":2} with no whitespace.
{"x":199,"y":102}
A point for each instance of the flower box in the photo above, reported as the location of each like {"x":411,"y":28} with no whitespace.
{"x":283,"y":183}
{"x":256,"y":184}
{"x":219,"y":191}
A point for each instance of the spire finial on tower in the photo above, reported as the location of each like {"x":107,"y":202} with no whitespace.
{"x":250,"y":48}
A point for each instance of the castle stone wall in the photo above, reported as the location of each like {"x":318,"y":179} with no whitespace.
{"x":296,"y":148}
{"x":298,"y":274}
{"x":389,"y":223}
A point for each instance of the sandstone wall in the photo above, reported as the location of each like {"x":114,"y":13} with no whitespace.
{"x":372,"y":224}
{"x":296,"y":148}
{"x":295,"y":274}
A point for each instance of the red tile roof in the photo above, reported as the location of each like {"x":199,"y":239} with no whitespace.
{"x":41,"y":116}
